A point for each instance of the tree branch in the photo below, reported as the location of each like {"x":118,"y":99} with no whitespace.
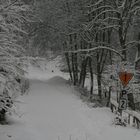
{"x":94,"y":49}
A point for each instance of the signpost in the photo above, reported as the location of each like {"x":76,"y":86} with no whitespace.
{"x":123,"y":100}
{"x":125,"y":77}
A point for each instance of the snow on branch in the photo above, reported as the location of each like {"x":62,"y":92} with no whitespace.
{"x":99,"y":8}
{"x":138,"y":59}
{"x":94,"y":49}
{"x":130,"y":45}
{"x":100,"y":14}
{"x":132,"y":42}
{"x":95,"y":4}
{"x":10,"y":4}
{"x":3,"y":8}
{"x":135,"y":4}
{"x":110,"y":18}
{"x":135,"y":10}
{"x":109,"y":27}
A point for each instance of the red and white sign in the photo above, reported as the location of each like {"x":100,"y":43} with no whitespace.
{"x":125,"y":77}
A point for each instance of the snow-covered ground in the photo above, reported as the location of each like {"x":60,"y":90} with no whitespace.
{"x":52,"y":111}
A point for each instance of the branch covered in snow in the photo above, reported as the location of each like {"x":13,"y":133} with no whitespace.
{"x":96,"y":48}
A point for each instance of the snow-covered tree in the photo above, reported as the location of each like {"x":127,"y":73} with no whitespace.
{"x":13,"y":16}
{"x":120,"y":17}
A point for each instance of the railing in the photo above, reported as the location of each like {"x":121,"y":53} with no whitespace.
{"x":133,"y":117}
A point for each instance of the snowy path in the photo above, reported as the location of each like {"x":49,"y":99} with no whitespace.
{"x":53,"y":112}
{"x":58,"y":114}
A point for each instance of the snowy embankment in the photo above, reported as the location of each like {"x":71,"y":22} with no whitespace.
{"x":52,"y":111}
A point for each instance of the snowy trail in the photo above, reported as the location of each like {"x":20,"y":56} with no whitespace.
{"x":52,"y":111}
{"x":57,"y":113}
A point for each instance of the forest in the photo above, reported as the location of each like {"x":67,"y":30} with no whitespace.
{"x":98,"y":40}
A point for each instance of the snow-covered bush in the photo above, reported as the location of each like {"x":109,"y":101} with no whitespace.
{"x":12,"y":33}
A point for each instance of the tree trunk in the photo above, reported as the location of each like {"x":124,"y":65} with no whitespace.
{"x":109,"y":96}
{"x":137,"y":64}
{"x":91,"y":77}
{"x":68,"y":64}
{"x":99,"y":85}
{"x":76,"y":64}
{"x":2,"y":116}
{"x":99,"y":76}
{"x":73,"y":69}
{"x":83,"y":72}
{"x":122,"y":38}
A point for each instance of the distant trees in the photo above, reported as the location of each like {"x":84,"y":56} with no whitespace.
{"x":46,"y":33}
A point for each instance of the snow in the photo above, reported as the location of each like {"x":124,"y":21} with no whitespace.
{"x":95,"y":86}
{"x":46,"y":70}
{"x":52,"y":111}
